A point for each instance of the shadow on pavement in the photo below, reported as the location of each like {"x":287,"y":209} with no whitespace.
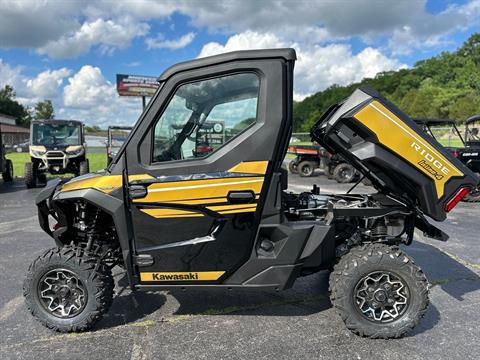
{"x":454,"y":278}
{"x":130,"y":308}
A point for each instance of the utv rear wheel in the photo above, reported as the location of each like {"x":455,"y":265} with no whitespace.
{"x":306,"y":168}
{"x":344,"y":173}
{"x":30,"y":175}
{"x":292,"y":167}
{"x":8,"y":173}
{"x":83,"y":168}
{"x":68,"y":289}
{"x":378,"y":291}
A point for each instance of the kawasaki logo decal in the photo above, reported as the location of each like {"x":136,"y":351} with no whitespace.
{"x":181,"y":276}
{"x":431,"y":163}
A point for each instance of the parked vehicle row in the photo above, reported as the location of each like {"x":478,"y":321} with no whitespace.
{"x":308,"y":158}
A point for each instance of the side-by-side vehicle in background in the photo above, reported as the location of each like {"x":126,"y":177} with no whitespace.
{"x":175,"y":218}
{"x":467,"y":150}
{"x":56,"y":147}
{"x":116,"y":136}
{"x":6,"y":165}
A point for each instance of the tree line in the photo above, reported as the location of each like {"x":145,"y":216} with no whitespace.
{"x":9,"y":105}
{"x":444,"y":86}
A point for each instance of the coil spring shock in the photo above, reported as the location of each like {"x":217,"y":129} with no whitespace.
{"x":380,"y":228}
{"x":91,"y":230}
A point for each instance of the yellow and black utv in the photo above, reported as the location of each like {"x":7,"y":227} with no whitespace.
{"x":176,"y":217}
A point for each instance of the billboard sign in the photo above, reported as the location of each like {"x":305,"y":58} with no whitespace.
{"x":136,"y":85}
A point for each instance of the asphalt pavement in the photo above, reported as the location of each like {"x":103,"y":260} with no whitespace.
{"x":295,"y":324}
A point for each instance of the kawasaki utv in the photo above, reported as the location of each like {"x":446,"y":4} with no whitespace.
{"x":175,"y":220}
{"x":6,"y":165}
{"x":116,"y":136}
{"x":56,"y":147}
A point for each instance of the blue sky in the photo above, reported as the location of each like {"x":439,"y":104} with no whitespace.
{"x":70,"y":51}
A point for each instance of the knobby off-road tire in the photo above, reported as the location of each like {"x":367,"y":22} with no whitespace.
{"x":292,"y":167}
{"x":344,"y":173}
{"x":83,"y":168}
{"x":81,"y":276}
{"x":30,"y":175}
{"x":306,"y":168}
{"x":363,"y":262}
{"x":7,"y":175}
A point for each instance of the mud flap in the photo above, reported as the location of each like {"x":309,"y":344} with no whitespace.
{"x":430,"y":230}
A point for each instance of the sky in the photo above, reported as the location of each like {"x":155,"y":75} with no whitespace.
{"x":70,"y":51}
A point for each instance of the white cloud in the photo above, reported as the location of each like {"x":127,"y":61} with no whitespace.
{"x":317,"y":67}
{"x":72,"y":28}
{"x":93,"y":99}
{"x":45,"y":85}
{"x":161,"y":43}
{"x":106,"y":33}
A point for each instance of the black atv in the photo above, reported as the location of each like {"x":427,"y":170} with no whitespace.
{"x":176,"y":219}
{"x":56,"y":147}
{"x":6,"y":165}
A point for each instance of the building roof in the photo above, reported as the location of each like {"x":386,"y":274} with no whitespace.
{"x":7,"y":119}
{"x":13,"y":129}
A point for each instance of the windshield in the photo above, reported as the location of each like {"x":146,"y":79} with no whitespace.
{"x":447,"y":135}
{"x":116,"y":137}
{"x":56,"y":134}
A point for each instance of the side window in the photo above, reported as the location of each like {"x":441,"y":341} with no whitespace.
{"x":202,"y":116}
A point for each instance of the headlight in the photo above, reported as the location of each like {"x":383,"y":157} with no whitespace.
{"x":38,"y":153}
{"x":74,"y":151}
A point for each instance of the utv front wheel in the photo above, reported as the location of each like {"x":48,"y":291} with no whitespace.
{"x":84,"y":168}
{"x":306,"y":168}
{"x":378,"y":291}
{"x":30,"y":175}
{"x":8,"y":173}
{"x":68,"y":289}
{"x":292,"y":167}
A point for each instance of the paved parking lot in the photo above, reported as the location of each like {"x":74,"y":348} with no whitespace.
{"x":298,"y":323}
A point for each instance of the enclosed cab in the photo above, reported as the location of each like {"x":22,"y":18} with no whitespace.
{"x":56,"y":147}
{"x":177,"y":218}
{"x":116,"y":136}
{"x":6,"y":165}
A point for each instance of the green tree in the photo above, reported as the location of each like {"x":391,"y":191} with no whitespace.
{"x":10,"y":106}
{"x":44,"y":110}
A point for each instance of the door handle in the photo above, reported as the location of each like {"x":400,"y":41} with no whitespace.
{"x":137,"y":191}
{"x":241,"y":196}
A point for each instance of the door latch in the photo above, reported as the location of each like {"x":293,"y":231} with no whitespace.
{"x":137,"y":191}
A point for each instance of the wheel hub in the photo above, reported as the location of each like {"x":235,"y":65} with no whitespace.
{"x":62,"y":293}
{"x":381,"y":296}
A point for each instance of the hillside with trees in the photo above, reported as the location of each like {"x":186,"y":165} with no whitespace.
{"x":445,"y":86}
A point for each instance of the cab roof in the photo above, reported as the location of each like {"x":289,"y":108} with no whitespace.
{"x":56,"y":121}
{"x":426,"y":121}
{"x":284,"y":53}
